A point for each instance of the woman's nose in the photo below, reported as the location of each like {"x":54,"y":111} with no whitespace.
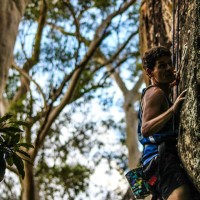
{"x":169,"y":66}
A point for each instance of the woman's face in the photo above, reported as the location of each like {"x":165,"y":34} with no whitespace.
{"x":163,"y":71}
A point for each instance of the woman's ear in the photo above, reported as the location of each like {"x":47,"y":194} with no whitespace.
{"x":148,"y":71}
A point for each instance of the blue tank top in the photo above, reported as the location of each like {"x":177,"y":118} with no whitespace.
{"x":150,"y":144}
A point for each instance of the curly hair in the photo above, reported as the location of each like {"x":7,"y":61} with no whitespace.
{"x":150,"y":56}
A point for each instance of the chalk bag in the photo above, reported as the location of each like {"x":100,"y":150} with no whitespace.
{"x":139,"y":186}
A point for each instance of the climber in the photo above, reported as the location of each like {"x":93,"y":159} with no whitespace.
{"x":157,"y":129}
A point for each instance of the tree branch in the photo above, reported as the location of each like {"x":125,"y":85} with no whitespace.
{"x":61,"y":29}
{"x":12,"y":169}
{"x":114,"y":75}
{"x":100,"y":34}
{"x":113,"y":57}
{"x":59,"y":90}
{"x":38,"y":37}
{"x":122,"y":9}
{"x":36,"y":51}
{"x":133,"y":95}
{"x":21,"y":71}
{"x":77,"y":24}
{"x":67,"y":97}
{"x":119,"y":63}
{"x":105,"y":62}
{"x":137,"y":86}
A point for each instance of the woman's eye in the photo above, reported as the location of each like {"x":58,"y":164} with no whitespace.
{"x":162,"y":66}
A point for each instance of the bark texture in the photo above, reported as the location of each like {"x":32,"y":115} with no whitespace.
{"x":11,"y":13}
{"x":28,"y":185}
{"x":189,"y":137}
{"x":156,"y":29}
{"x":131,"y":126}
{"x":155,"y":25}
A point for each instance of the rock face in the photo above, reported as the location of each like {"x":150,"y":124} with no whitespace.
{"x":156,"y":29}
{"x":189,"y":137}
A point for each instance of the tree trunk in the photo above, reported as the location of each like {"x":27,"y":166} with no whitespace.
{"x":134,"y":154}
{"x":28,"y":186}
{"x":131,"y":126}
{"x":155,"y":25}
{"x":11,"y":13}
{"x":130,"y":97}
{"x":155,"y":29}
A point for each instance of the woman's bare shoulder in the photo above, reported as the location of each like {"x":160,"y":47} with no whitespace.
{"x":154,"y":94}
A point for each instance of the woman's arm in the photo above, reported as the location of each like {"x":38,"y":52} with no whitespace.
{"x":155,"y":112}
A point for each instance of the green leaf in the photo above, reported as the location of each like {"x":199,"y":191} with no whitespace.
{"x":19,"y":164}
{"x":2,"y":167}
{"x":15,"y":139}
{"x":5,"y":138}
{"x":16,"y":147}
{"x":9,"y":160}
{"x":10,"y":130}
{"x":1,"y":139}
{"x":5,"y":118}
{"x":24,"y":153}
{"x":19,"y":123}
{"x":28,"y":161}
{"x":26,"y":145}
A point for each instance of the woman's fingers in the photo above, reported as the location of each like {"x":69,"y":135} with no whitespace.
{"x":180,"y":98}
{"x":183,"y":93}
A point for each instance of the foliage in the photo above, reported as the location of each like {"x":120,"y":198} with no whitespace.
{"x":11,"y":148}
{"x":50,"y":54}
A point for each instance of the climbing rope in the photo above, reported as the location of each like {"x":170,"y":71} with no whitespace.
{"x":175,"y":55}
{"x":173,"y":30}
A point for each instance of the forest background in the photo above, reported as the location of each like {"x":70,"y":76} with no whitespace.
{"x":74,"y":78}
